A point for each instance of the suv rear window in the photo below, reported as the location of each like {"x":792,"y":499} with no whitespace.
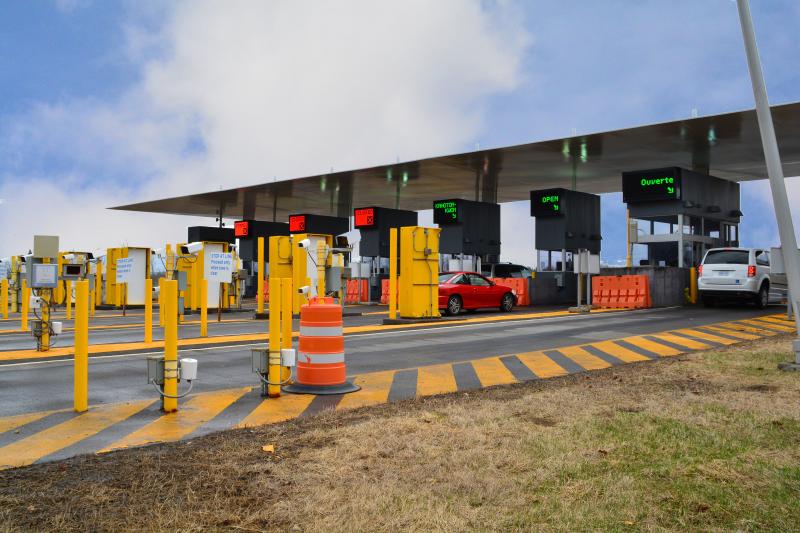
{"x":727,"y":257}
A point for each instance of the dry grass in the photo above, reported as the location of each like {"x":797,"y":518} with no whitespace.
{"x":705,"y":442}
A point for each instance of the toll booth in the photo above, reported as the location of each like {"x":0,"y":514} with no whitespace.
{"x":248,"y":233}
{"x":470,"y":233}
{"x":679,"y":214}
{"x":374,"y":224}
{"x":126,"y":285}
{"x":567,"y":222}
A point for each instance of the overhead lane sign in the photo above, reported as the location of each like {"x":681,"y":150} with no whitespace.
{"x":657,"y":185}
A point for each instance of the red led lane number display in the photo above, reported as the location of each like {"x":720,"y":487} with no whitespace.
{"x":364,"y":218}
{"x":297,"y":223}
{"x":241,"y":229}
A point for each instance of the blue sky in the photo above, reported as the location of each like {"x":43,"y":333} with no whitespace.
{"x":109,"y":102}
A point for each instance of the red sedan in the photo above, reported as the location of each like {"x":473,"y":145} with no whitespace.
{"x":469,"y":290}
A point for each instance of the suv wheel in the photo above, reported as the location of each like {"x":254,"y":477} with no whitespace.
{"x":454,"y":305}
{"x":507,"y":303}
{"x":762,"y":298}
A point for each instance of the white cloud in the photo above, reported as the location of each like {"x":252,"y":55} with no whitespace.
{"x":237,"y":92}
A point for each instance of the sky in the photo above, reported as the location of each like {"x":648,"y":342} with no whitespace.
{"x":104,"y":103}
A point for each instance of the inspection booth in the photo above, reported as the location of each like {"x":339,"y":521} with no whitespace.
{"x":126,"y":270}
{"x":247,"y":232}
{"x":470,"y":233}
{"x":197,"y":266}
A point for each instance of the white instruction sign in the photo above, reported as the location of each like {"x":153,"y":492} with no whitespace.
{"x":124,"y":269}
{"x":220,"y":267}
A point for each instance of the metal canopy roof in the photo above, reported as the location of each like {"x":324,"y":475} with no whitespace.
{"x":726,"y":145}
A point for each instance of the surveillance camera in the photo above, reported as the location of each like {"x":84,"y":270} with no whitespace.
{"x":305,"y":243}
{"x":305,"y":289}
{"x":69,"y":257}
{"x":191,"y":248}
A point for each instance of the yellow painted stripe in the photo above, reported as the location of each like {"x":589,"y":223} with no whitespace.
{"x":774,"y":323}
{"x":30,"y":449}
{"x":436,"y":379}
{"x":707,"y":336}
{"x":583,"y":358}
{"x":541,"y":365}
{"x":654,"y":347}
{"x":620,"y":352}
{"x":195,"y":412}
{"x":733,"y":332}
{"x":760,"y":331}
{"x":274,"y":410}
{"x":682,"y":341}
{"x":491,"y":371}
{"x":375,"y":389}
{"x":12,"y":422}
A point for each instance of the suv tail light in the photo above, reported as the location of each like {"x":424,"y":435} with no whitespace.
{"x":699,"y":271}
{"x":751,"y":271}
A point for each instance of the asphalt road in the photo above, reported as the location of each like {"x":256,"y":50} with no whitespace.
{"x":37,"y":386}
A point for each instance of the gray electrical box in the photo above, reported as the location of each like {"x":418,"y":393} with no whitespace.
{"x":182,"y":280}
{"x":333,"y":279}
{"x":43,"y":276}
{"x":259,"y":360}
{"x":155,"y":369}
{"x":45,"y":246}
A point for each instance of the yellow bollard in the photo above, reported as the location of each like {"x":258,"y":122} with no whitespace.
{"x":693,"y":285}
{"x":286,"y":324}
{"x":81,"y":381}
{"x":204,"y":307}
{"x":260,"y":266}
{"x":148,"y":310}
{"x":170,"y":301}
{"x":393,"y":273}
{"x":46,"y":301}
{"x":274,"y":358}
{"x":321,"y":260}
{"x":26,"y":301}
{"x":98,"y":283}
{"x":68,"y":298}
{"x":4,"y":297}
{"x":160,"y":306}
{"x":92,"y":300}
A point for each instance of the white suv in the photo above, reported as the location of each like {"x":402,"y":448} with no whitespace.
{"x":734,"y":274}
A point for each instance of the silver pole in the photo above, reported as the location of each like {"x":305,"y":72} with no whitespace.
{"x":773,"y":160}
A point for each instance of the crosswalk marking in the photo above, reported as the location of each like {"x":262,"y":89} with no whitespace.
{"x":583,"y":358}
{"x":375,"y":389}
{"x":620,"y":352}
{"x":196,"y":411}
{"x":654,"y":347}
{"x":733,"y":332}
{"x":773,"y":323}
{"x":758,"y":331}
{"x":30,"y":449}
{"x":541,"y":365}
{"x":492,"y":371}
{"x":275,"y":410}
{"x":13,"y":422}
{"x":436,"y":379}
{"x":707,"y":336}
{"x":682,"y":341}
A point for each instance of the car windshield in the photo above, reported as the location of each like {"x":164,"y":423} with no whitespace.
{"x":727,"y":257}
{"x":443,"y":278}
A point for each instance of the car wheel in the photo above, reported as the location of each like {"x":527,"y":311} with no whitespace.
{"x":708,"y":301}
{"x":762,"y":299}
{"x":507,"y":303}
{"x":454,"y":305}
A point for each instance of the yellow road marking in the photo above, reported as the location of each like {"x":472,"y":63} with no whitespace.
{"x":707,"y":336}
{"x":198,"y":410}
{"x":733,"y":332}
{"x":620,"y":352}
{"x":541,"y":365}
{"x":682,"y":341}
{"x":436,"y":379}
{"x":30,"y":449}
{"x":760,"y":331}
{"x":277,"y":410}
{"x":375,"y":389}
{"x":12,"y":422}
{"x":583,"y":358}
{"x":650,"y":346}
{"x":492,"y":371}
{"x":772,"y":322}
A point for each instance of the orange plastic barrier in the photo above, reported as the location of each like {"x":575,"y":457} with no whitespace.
{"x":266,"y":291}
{"x":352,"y":291}
{"x":520,"y":287}
{"x":627,"y":292}
{"x":385,"y":290}
{"x":320,"y":354}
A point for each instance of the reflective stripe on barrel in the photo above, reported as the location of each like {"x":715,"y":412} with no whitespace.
{"x":320,"y":358}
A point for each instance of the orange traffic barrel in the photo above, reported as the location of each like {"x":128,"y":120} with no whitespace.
{"x":320,"y":354}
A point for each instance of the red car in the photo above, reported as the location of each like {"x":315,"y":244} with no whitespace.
{"x":470,"y":290}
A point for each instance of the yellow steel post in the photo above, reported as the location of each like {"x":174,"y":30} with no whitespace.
{"x":98,"y":283}
{"x":274,"y":358}
{"x":68,"y":298}
{"x":693,"y":285}
{"x":26,"y":300}
{"x":15,"y":286}
{"x":393,"y":273}
{"x":4,"y":297}
{"x":148,"y":310}
{"x":45,"y":343}
{"x":286,"y":323}
{"x":197,"y":274}
{"x":204,"y":307}
{"x":321,"y":260}
{"x":170,"y":301}
{"x":628,"y":257}
{"x":160,"y":306}
{"x":260,"y":267}
{"x":81,"y":381}
{"x":92,"y":298}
